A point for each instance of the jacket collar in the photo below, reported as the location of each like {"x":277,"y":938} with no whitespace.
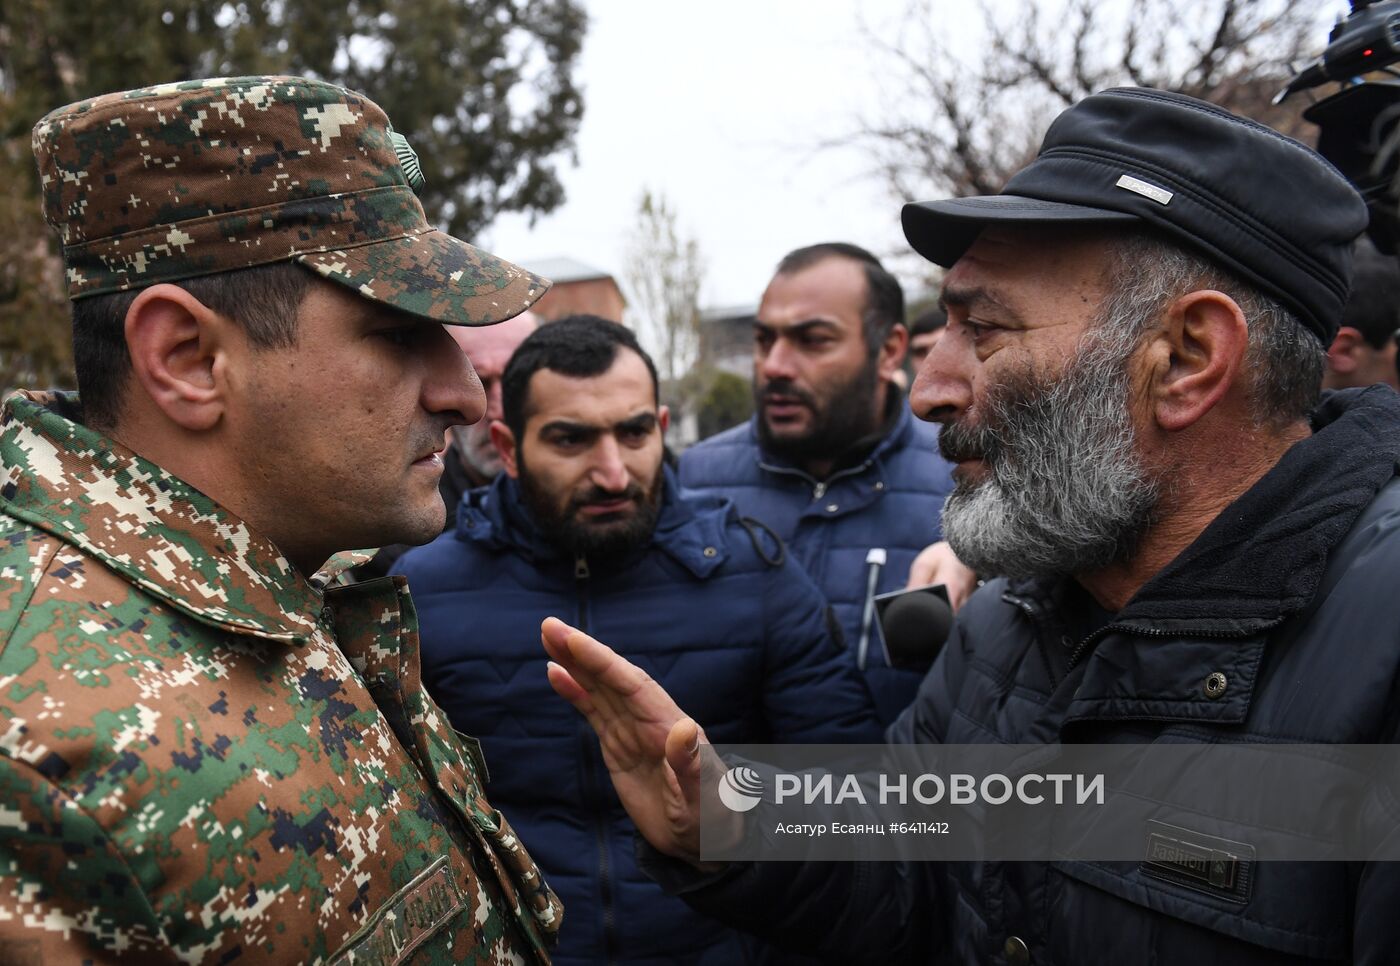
{"x":690,"y":530}
{"x":155,"y":530}
{"x":1258,"y":563}
{"x":1263,"y":557}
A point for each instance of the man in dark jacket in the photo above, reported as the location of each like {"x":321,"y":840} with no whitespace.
{"x":586,"y":523}
{"x":1195,"y":553}
{"x":832,"y":459}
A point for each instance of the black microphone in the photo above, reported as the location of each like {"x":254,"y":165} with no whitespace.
{"x":915,"y":624}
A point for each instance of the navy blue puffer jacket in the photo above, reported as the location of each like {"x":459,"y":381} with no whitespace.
{"x":890,"y":500}
{"x":741,"y":641}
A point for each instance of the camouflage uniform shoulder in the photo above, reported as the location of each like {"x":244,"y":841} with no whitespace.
{"x":25,"y":553}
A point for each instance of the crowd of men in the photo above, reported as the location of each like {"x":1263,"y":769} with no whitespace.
{"x":225,"y":736}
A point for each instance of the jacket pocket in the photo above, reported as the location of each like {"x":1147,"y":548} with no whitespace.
{"x":1266,"y":912}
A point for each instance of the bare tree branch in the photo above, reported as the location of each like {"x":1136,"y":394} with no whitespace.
{"x":957,"y":124}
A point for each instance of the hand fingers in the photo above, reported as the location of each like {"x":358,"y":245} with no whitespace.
{"x":567,"y":688}
{"x":923,"y":571}
{"x":683,"y":755}
{"x":595,"y":666}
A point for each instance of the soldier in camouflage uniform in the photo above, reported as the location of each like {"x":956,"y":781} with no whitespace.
{"x":209,"y":749}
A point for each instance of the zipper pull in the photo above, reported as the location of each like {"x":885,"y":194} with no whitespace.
{"x":819,"y":491}
{"x":580,"y":567}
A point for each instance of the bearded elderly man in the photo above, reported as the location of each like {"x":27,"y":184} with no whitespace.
{"x":1192,"y":551}
{"x":208,"y":753}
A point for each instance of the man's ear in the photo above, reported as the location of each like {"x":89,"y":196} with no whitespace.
{"x":1196,"y":357}
{"x":663,"y":418}
{"x":892,"y":351}
{"x":175,"y":342}
{"x":504,"y":441}
{"x":1341,"y":354}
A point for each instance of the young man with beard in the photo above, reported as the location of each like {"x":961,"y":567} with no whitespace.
{"x":587,"y":522}
{"x":832,"y":459}
{"x":209,"y":753}
{"x":1193,"y":552}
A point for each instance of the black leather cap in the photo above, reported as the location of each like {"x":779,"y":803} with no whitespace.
{"x":1251,"y":200}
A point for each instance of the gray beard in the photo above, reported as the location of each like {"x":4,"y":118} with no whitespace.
{"x":1065,"y":491}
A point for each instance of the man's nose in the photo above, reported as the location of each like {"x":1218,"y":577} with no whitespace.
{"x":777,"y":362}
{"x":494,"y":409}
{"x":451,"y":386}
{"x":608,"y":471}
{"x":943,"y":384}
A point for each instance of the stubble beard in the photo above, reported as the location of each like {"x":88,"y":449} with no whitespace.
{"x":597,"y":540}
{"x":840,"y":417}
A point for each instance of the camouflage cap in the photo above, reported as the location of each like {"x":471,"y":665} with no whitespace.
{"x":187,"y":179}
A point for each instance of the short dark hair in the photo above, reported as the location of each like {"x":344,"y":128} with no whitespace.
{"x":576,"y":345}
{"x":1373,"y":308}
{"x":884,"y":298}
{"x":929,"y":321}
{"x":263,"y":300}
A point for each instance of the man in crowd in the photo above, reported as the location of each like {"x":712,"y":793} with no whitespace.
{"x":477,"y":460}
{"x":924,"y":333}
{"x":208,"y":756}
{"x":470,"y":460}
{"x":1363,"y":351}
{"x":1136,"y":335}
{"x":587,"y":522}
{"x":832,"y":459}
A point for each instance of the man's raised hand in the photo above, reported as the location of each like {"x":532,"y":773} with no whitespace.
{"x":654,"y":753}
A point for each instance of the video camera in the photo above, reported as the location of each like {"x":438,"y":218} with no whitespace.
{"x":1357,"y":125}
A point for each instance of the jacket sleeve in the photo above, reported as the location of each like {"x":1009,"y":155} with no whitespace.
{"x":812,"y":692}
{"x":66,"y":893}
{"x":846,"y":912}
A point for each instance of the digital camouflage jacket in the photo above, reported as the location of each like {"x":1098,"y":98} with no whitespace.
{"x":205,"y":757}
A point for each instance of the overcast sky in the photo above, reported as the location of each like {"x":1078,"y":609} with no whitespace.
{"x":721,"y":106}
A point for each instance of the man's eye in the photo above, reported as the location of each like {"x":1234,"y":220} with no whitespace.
{"x":979,"y":329}
{"x":634,"y":436}
{"x":401,"y":336}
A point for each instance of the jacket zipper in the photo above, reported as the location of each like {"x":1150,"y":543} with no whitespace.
{"x":1082,"y":647}
{"x":819,"y":487}
{"x":600,"y":830}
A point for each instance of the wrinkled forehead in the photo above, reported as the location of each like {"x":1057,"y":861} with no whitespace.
{"x":1009,"y":264}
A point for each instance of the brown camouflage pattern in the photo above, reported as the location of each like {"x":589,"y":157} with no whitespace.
{"x":187,"y":179}
{"x":205,"y":757}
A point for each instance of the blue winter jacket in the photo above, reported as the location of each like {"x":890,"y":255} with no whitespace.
{"x":1289,"y":593}
{"x":890,"y":500}
{"x":739,"y":636}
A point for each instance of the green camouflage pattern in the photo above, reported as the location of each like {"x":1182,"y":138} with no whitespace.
{"x":206,"y":757}
{"x":187,"y":179}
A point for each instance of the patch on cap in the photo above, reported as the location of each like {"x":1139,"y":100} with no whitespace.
{"x":408,"y":160}
{"x":1159,"y":195}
